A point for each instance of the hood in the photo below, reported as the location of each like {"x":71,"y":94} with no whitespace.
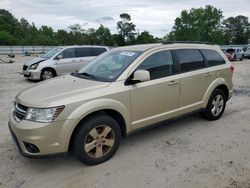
{"x":57,"y":89}
{"x":34,"y":60}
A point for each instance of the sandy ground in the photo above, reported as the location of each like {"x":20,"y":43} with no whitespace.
{"x":188,"y":152}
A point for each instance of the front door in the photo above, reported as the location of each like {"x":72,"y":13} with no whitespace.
{"x":157,"y":99}
{"x":68,"y":63}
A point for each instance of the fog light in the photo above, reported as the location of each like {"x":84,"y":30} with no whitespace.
{"x":31,"y":148}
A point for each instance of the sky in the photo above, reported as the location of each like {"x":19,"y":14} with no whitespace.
{"x":155,"y":16}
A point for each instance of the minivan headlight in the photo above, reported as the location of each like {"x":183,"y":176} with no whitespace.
{"x":45,"y":115}
{"x":34,"y":66}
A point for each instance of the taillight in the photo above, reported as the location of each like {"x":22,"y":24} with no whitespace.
{"x":232,"y":69}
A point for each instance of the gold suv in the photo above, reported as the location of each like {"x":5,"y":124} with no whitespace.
{"x":121,"y":90}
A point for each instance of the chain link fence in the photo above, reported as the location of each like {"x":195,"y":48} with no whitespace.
{"x":4,"y":50}
{"x":24,"y":49}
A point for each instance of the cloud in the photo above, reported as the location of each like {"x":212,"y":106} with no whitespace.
{"x":156,"y":16}
{"x":105,"y":19}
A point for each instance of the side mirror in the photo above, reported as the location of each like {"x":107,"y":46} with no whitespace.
{"x":141,"y":76}
{"x":58,"y":57}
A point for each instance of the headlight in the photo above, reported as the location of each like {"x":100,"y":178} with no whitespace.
{"x":45,"y":115}
{"x":34,"y":66}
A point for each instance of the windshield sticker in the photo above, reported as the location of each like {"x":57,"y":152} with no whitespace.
{"x":127,"y":53}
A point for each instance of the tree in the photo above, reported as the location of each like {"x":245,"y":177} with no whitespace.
{"x":103,"y":36}
{"x":145,"y":37}
{"x":6,"y":38}
{"x":237,"y":29}
{"x":62,"y":37}
{"x":7,"y":21}
{"x":199,"y":24}
{"x":125,"y":28}
{"x":76,"y":28}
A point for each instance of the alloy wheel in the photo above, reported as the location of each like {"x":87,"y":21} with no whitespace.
{"x":217,"y":105}
{"x":99,"y":141}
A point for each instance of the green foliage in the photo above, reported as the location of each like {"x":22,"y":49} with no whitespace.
{"x":126,"y":29}
{"x":237,"y":28}
{"x":145,"y":38}
{"x":6,"y":38}
{"x":200,"y":24}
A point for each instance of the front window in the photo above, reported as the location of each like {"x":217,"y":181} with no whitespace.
{"x":159,"y":65}
{"x":108,"y":66}
{"x":68,"y":53}
{"x":51,"y":53}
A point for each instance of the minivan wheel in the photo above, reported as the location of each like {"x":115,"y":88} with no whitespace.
{"x":97,"y":140}
{"x":216,"y":105}
{"x":47,"y":74}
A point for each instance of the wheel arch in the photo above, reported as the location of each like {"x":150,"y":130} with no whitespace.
{"x":217,"y":84}
{"x":111,"y":107}
{"x":110,"y":112}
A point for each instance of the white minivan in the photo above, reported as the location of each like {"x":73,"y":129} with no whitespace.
{"x":61,"y":60}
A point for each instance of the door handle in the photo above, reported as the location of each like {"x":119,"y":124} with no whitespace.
{"x":208,"y":74}
{"x":171,"y":83}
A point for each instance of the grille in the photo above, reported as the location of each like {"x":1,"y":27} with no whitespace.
{"x":20,"y":112}
{"x":25,"y":67}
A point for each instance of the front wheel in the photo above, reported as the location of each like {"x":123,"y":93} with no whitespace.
{"x":47,"y":74}
{"x":216,"y":105}
{"x":97,"y":140}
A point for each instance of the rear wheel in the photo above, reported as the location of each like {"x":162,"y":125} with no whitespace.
{"x":216,"y":105}
{"x":97,"y":139}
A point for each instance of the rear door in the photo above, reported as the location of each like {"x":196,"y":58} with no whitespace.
{"x":195,"y":78}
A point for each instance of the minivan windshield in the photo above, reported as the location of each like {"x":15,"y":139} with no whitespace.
{"x":51,"y":53}
{"x":108,"y":66}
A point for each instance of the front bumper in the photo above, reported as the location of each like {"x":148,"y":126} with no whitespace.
{"x":32,"y":74}
{"x":49,"y":138}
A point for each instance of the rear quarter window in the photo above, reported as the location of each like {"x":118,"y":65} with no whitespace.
{"x":213,"y":57}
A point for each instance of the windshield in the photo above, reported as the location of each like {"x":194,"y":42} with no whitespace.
{"x":109,"y":65}
{"x":51,"y":53}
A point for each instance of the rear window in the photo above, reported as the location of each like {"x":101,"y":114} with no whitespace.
{"x":190,"y":59}
{"x":82,"y":52}
{"x":213,"y":57}
{"x":98,"y":51}
{"x":230,"y":50}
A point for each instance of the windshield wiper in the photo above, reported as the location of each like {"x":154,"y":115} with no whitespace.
{"x":84,"y":74}
{"x":87,"y":75}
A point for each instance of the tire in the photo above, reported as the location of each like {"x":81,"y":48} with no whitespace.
{"x":97,"y":139}
{"x":234,"y":58}
{"x":47,"y":74}
{"x":217,"y":98}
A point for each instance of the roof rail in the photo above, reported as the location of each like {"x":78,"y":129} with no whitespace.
{"x":187,"y":42}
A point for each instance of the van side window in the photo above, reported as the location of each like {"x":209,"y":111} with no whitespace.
{"x":68,"y":53}
{"x":159,"y":64}
{"x":190,"y":59}
{"x":213,"y":57}
{"x":98,"y":51}
{"x":83,"y":52}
